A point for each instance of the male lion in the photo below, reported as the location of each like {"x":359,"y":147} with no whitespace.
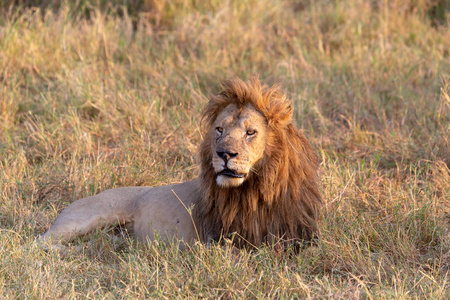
{"x":258,"y":180}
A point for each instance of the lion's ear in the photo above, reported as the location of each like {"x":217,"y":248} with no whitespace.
{"x":280,"y":112}
{"x":212,"y":109}
{"x":277,"y":108}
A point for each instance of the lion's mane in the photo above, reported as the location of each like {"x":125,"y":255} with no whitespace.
{"x":280,"y":197}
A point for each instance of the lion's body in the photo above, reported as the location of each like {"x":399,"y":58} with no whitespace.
{"x":258,"y":179}
{"x":146,"y":211}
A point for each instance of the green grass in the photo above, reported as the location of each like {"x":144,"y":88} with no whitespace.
{"x":96,"y":96}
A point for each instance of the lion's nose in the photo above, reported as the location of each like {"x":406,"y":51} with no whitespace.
{"x":226,"y":155}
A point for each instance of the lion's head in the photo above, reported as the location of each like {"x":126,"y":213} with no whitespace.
{"x":239,"y":143}
{"x":258,"y":173}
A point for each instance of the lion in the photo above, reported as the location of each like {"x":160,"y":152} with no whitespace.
{"x":258,"y":182}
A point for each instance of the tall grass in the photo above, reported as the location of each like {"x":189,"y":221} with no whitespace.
{"x":96,"y":95}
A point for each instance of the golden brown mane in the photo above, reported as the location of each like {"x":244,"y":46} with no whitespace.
{"x":280,"y":197}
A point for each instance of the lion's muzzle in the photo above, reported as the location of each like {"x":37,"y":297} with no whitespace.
{"x":226,"y":156}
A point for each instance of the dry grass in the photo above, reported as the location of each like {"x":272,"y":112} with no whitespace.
{"x":93,"y":98}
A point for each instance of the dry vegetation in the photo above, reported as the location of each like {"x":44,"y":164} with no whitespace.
{"x":96,"y":96}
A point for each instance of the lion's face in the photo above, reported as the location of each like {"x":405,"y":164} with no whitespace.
{"x":239,"y":143}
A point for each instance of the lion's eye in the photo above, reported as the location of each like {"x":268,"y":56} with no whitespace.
{"x":251,"y":132}
{"x":219,"y":129}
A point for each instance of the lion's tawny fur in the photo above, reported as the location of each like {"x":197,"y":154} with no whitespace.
{"x":258,"y":179}
{"x":280,"y":197}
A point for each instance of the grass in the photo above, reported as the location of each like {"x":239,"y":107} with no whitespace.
{"x":96,"y":96}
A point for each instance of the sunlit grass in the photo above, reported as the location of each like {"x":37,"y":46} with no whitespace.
{"x":95,"y":98}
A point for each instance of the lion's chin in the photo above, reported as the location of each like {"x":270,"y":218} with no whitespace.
{"x":228,"y":181}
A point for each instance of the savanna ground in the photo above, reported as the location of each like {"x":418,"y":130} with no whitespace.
{"x":103,"y":94}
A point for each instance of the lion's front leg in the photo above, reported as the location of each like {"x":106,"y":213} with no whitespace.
{"x":108,"y":208}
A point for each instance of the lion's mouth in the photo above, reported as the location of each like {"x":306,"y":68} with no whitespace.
{"x":231,"y":173}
